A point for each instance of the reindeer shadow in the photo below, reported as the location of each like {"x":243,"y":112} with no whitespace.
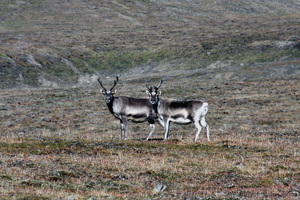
{"x":154,"y":139}
{"x":149,"y":140}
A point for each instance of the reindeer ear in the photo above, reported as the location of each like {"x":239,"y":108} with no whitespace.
{"x":147,"y":92}
{"x":114,"y":92}
{"x":102,"y":91}
{"x":159,"y":93}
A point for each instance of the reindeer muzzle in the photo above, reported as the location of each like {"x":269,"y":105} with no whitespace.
{"x":153,"y":101}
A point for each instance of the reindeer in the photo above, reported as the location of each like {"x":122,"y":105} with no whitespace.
{"x":183,"y":112}
{"x":128,"y":109}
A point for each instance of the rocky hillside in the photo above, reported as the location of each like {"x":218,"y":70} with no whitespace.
{"x":53,"y":43}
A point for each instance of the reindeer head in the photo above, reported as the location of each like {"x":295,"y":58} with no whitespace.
{"x":109,"y":94}
{"x":153,"y":93}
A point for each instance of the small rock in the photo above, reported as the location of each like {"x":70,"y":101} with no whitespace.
{"x":111,"y":184}
{"x":240,"y":164}
{"x":229,"y":185}
{"x":220,"y":64}
{"x":284,"y":44}
{"x":289,"y":182}
{"x":294,"y":193}
{"x":164,"y":188}
{"x":32,"y":61}
{"x":159,"y":188}
{"x":72,"y":197}
{"x":90,"y":184}
{"x":120,"y":177}
{"x":9,"y":124}
{"x":46,"y":119}
{"x":219,"y":194}
{"x":279,"y":182}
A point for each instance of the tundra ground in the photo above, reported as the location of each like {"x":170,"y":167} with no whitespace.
{"x":61,"y":142}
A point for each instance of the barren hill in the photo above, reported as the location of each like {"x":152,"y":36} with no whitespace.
{"x":54,"y":43}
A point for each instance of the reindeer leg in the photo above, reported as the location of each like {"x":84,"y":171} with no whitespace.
{"x":161,"y":122}
{"x":123,"y":127}
{"x":166,"y":127}
{"x":204,"y":124}
{"x":168,"y":130}
{"x":152,"y":125}
{"x":198,"y":129}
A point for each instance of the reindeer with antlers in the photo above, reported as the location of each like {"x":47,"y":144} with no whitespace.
{"x":128,"y":109}
{"x":184,"y":112}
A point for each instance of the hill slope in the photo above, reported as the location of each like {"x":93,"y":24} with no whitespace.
{"x":54,"y":43}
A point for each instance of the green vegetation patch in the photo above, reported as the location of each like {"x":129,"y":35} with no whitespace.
{"x":122,"y":60}
{"x":36,"y":148}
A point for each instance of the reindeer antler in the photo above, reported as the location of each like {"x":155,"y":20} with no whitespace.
{"x":101,"y":83}
{"x":156,"y":88}
{"x":115,"y":83}
{"x":149,"y":88}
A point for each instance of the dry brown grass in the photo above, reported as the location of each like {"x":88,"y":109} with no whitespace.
{"x":58,"y":142}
